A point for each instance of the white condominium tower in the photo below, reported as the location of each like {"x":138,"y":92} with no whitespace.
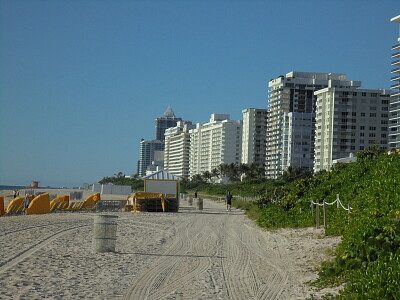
{"x":177,"y":149}
{"x":349,"y":121}
{"x":254,"y":134}
{"x":394,"y":115}
{"x":291,"y":117}
{"x":215,"y":143}
{"x":297,"y":140}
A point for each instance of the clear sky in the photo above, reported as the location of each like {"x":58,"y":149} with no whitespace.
{"x":81,"y":82}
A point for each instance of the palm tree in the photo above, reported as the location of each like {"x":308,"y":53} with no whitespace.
{"x":243,"y":169}
{"x":214,"y":173}
{"x":206,"y":176}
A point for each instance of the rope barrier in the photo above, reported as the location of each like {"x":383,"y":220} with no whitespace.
{"x":336,"y":201}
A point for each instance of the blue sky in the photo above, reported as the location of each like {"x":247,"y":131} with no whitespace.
{"x":81,"y":82}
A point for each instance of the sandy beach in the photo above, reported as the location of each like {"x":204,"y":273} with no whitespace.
{"x":209,"y":254}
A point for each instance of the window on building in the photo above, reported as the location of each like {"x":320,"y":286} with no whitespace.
{"x":371,"y":135}
{"x":384,"y":115}
{"x":372,"y":115}
{"x":385,"y":101}
{"x":383,"y":135}
{"x":372,"y":128}
{"x":383,"y":128}
{"x":361,"y":147}
{"x":372,"y":107}
{"x":363,"y":94}
{"x":362,"y":127}
{"x":354,"y":114}
{"x":362,"y":114}
{"x":361,"y":133}
{"x":354,"y":93}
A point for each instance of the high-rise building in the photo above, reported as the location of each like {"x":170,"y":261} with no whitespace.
{"x":177,"y":149}
{"x":298,"y":140}
{"x":166,"y":121}
{"x":254,"y":134}
{"x":215,"y":143}
{"x":294,"y":93}
{"x":147,"y":152}
{"x":394,"y":114}
{"x":349,"y":121}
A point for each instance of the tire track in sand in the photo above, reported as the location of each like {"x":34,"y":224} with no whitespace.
{"x":26,"y":253}
{"x":215,"y":245}
{"x":162,"y":269}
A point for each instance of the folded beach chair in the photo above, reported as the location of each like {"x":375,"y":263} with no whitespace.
{"x":78,"y":205}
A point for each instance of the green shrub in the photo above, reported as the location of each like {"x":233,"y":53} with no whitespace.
{"x":381,"y":280}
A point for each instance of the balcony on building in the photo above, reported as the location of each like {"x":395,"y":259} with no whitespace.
{"x":396,"y":54}
{"x":395,"y":86}
{"x":396,"y":47}
{"x":397,"y":70}
{"x":395,"y":78}
{"x":396,"y":62}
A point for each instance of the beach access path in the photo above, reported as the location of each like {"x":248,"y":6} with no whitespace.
{"x":209,"y":254}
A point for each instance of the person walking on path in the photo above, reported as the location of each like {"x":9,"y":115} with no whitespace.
{"x":26,"y":202}
{"x":14,"y":194}
{"x":228,"y":201}
{"x":195,"y":194}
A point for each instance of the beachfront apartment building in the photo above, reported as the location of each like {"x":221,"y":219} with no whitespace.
{"x":254,"y":134}
{"x":394,"y":113}
{"x":177,"y":149}
{"x":297,"y":140}
{"x":166,"y":121}
{"x":215,"y":143}
{"x":349,"y":120}
{"x":149,"y":151}
{"x":294,"y":93}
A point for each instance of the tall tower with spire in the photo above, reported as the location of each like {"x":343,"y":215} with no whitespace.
{"x":166,"y":121}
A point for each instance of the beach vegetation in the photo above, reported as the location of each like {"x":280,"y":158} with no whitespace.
{"x":134,"y":182}
{"x":367,"y":259}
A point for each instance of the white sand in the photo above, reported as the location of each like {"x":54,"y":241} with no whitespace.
{"x":213,"y":254}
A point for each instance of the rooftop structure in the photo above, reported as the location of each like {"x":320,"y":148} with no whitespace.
{"x":166,"y":121}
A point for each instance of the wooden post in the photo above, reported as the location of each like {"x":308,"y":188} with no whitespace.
{"x":317,"y":214}
{"x":325,"y":215}
{"x":348,"y":215}
{"x":312,"y":208}
{"x":2,"y":212}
